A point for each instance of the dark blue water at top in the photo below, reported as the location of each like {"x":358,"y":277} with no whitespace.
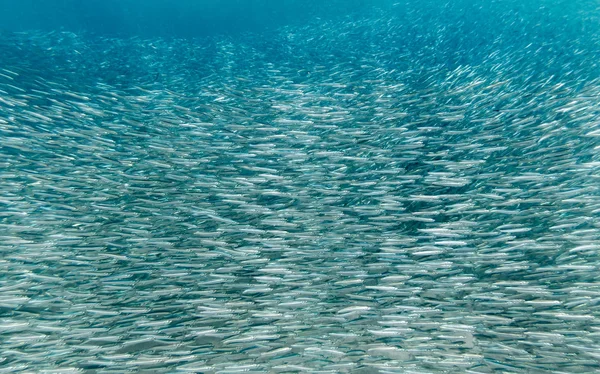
{"x":197,"y":18}
{"x":170,"y":18}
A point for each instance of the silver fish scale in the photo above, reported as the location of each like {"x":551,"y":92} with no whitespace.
{"x":375,"y":194}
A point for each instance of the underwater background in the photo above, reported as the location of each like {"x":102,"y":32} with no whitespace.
{"x":299,"y":186}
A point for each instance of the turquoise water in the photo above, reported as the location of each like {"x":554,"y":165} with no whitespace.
{"x":299,"y":187}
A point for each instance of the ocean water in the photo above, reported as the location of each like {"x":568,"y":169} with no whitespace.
{"x":299,"y":186}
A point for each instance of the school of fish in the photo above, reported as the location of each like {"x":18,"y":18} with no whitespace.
{"x":375,"y":194}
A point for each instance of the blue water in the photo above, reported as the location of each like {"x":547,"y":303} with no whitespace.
{"x":197,"y":18}
{"x":168,"y":18}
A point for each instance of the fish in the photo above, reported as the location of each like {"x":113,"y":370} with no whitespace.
{"x":413,"y":189}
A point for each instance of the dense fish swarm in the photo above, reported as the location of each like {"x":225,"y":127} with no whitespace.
{"x":377,"y":194}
